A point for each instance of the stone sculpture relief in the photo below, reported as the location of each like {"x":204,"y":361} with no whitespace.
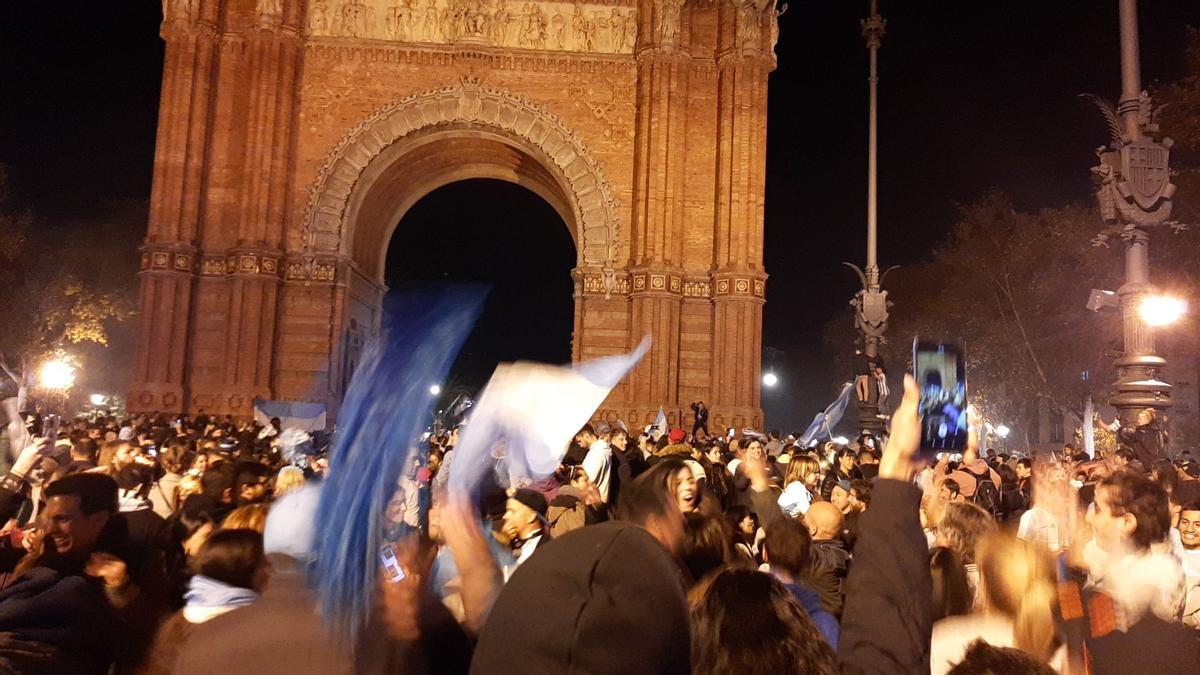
{"x":667,"y":16}
{"x":560,"y":26}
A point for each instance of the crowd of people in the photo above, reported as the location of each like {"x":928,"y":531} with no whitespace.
{"x":160,"y":544}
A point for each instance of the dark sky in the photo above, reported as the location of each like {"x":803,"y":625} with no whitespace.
{"x":973,"y":95}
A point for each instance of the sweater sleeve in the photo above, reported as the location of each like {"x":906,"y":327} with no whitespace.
{"x":887,"y":622}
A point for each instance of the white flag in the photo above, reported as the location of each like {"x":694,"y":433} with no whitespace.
{"x":529,"y":412}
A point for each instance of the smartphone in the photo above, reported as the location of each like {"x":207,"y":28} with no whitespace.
{"x":391,"y":564}
{"x":941,"y":376}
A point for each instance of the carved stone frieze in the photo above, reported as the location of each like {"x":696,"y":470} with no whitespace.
{"x":588,"y":27}
{"x":166,"y":259}
{"x":596,"y":209}
{"x":734,"y":285}
{"x":309,"y":268}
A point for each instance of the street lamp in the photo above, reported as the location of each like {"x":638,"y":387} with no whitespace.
{"x":98,"y":399}
{"x":1162,"y":310}
{"x":57,"y":375}
{"x":871,"y":303}
{"x":1134,"y":192}
{"x":435,"y":390}
{"x":770,"y":379}
{"x":1003,"y":431}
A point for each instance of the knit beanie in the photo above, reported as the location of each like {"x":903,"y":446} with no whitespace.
{"x":605,"y":598}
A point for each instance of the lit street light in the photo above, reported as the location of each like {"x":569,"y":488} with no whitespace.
{"x":98,"y":399}
{"x":1003,"y":431}
{"x":57,"y":375}
{"x":435,"y":390}
{"x":1161,"y":310}
{"x":770,"y":379}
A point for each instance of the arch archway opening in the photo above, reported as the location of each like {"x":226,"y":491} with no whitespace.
{"x":509,"y":237}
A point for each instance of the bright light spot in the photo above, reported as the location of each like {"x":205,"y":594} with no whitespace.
{"x":1162,"y":310}
{"x":1003,"y":431}
{"x":840,"y":440}
{"x":57,"y":374}
{"x":770,"y":379}
{"x":98,"y":399}
{"x":435,"y":389}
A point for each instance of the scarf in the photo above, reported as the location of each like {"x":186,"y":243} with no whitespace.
{"x":208,"y":592}
{"x":133,"y":500}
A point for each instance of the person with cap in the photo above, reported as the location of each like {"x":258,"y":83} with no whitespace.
{"x":525,"y":522}
{"x":677,"y":445}
{"x":605,"y":599}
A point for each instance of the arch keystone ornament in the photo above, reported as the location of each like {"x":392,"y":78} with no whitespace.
{"x":326,"y":120}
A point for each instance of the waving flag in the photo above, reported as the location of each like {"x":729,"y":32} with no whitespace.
{"x":660,"y":424}
{"x":823,"y":424}
{"x":529,"y":412}
{"x":382,"y":416}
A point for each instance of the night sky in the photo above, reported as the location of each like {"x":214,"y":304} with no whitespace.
{"x":973,"y":96}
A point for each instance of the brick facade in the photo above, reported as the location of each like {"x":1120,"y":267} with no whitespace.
{"x":294,"y":135}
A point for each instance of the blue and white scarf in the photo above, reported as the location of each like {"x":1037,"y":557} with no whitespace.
{"x":208,"y":592}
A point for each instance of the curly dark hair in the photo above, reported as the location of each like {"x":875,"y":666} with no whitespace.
{"x":747,"y":621}
{"x":1130,"y":492}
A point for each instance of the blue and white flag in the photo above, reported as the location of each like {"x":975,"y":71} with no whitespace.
{"x":529,"y":412}
{"x":660,"y":424}
{"x":383,"y":414}
{"x":291,"y":414}
{"x":823,"y":424}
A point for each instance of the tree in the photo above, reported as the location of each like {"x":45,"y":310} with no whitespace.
{"x":50,"y":296}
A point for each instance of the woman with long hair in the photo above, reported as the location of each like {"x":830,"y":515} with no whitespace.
{"x":746,"y":621}
{"x":800,"y":485}
{"x":1019,"y":594}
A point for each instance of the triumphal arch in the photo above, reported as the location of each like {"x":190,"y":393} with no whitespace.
{"x":293,"y":136}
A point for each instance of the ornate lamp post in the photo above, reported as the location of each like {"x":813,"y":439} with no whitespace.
{"x":1135,"y":196}
{"x":871,"y":302}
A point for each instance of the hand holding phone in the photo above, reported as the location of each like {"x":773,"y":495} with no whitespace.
{"x":391,"y":564}
{"x":941,"y":377}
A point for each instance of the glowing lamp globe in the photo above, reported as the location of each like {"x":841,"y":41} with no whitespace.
{"x":1003,"y":431}
{"x":1162,"y":310}
{"x":57,"y":374}
{"x":435,"y":390}
{"x":770,"y":379}
{"x":98,"y":399}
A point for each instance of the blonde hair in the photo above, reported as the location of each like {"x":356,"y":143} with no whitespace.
{"x":188,"y":485}
{"x":248,"y":517}
{"x":288,"y":479}
{"x":1018,"y":580}
{"x":800,"y":468}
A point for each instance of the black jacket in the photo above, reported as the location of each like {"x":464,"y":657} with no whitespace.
{"x":888,"y":617}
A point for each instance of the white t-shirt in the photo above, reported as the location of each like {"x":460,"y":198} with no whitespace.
{"x":598,"y":465}
{"x":1039,"y":527}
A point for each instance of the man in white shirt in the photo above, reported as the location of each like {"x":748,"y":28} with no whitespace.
{"x":598,"y":461}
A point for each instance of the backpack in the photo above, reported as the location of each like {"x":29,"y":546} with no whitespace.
{"x":987,"y":495}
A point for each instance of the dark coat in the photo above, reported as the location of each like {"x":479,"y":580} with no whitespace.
{"x":828,"y":566}
{"x":888,"y":617}
{"x":280,"y":633}
{"x":606,"y":598}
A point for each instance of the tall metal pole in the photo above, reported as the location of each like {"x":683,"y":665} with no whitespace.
{"x":871,"y":302}
{"x":873,"y":32}
{"x":1135,"y":196}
